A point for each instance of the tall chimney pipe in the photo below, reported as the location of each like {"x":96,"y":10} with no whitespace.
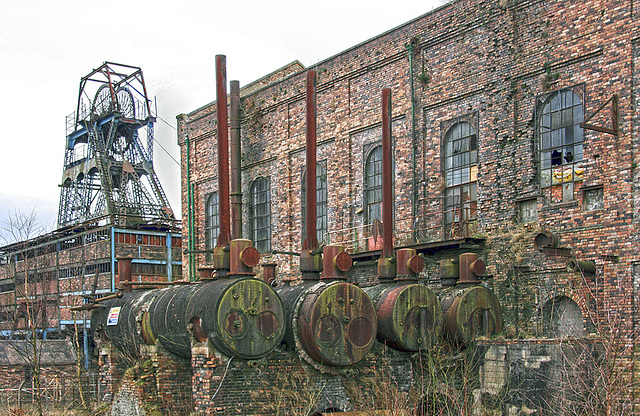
{"x":310,"y":258}
{"x":311,"y":239}
{"x":386,"y":263}
{"x":220,"y":252}
{"x":236,"y":152}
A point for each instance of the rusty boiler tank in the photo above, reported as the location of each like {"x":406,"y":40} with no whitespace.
{"x":470,"y":309}
{"x":409,"y":313}
{"x":332,"y":322}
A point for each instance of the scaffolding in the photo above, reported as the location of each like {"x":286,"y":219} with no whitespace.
{"x":108,"y":165}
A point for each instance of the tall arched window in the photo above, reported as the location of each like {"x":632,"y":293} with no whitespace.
{"x":460,"y":174}
{"x":260,"y":214}
{"x":321,"y":202}
{"x":211,"y":223}
{"x":373,"y":185}
{"x":560,"y":141}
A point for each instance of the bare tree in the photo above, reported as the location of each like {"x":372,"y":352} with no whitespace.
{"x":18,"y":230}
{"x":597,"y":372}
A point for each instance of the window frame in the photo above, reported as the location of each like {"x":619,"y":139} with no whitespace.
{"x":469,"y":209}
{"x":560,"y":185}
{"x":211,"y":227}
{"x":321,"y":203}
{"x":376,"y":148}
{"x":262,"y":244}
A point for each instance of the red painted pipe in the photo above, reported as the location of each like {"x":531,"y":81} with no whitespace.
{"x":387,"y":176}
{"x":223,"y":150}
{"x":311,"y":240}
{"x":236,"y":178}
{"x":125,"y":271}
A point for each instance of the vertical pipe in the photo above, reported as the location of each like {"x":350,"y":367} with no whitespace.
{"x":169,"y":258}
{"x":85,"y":344}
{"x":190,"y":245}
{"x":311,"y":239}
{"x":387,"y":176}
{"x":236,"y":173}
{"x":386,"y":263}
{"x":223,"y":149}
{"x":414,"y":211}
{"x":310,"y":257}
{"x":113,"y":258}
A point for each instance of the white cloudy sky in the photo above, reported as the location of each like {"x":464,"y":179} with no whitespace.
{"x":47,"y":46}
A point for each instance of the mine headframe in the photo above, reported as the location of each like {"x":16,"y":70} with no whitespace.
{"x":108,"y":169}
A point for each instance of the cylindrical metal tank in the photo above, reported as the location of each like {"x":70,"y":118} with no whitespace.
{"x":470,"y":312}
{"x":241,"y":317}
{"x":409,"y":315}
{"x":121,"y":320}
{"x":334,"y":322}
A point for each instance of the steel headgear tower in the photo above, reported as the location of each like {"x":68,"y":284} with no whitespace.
{"x":108,"y":165}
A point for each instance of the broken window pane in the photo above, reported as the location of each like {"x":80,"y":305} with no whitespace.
{"x":560,"y":143}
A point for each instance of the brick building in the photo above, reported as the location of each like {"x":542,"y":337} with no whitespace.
{"x":488,"y":104}
{"x":511,"y":119}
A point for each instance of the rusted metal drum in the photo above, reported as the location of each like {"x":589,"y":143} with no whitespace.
{"x":335,"y":322}
{"x":122,"y":321}
{"x":471,"y":312}
{"x":409,"y":316}
{"x":241,"y":317}
{"x":167,"y":318}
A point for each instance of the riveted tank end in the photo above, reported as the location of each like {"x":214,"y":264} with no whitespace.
{"x":409,"y":315}
{"x":470,"y":312}
{"x":337,"y":324}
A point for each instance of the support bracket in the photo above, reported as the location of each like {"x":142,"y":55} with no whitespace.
{"x":614,"y":118}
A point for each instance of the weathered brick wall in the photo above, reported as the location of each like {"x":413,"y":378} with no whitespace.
{"x":490,"y":63}
{"x":487,"y":60}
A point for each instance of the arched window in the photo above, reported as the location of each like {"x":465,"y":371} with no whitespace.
{"x":560,"y":141}
{"x":321,"y":202}
{"x":461,"y":183}
{"x":373,"y":186}
{"x":562,"y":317}
{"x":260,"y":214}
{"x":211,"y":224}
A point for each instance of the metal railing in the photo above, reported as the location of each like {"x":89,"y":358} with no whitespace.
{"x":408,"y":231}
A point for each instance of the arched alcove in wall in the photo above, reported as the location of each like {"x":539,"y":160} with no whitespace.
{"x":562,"y":317}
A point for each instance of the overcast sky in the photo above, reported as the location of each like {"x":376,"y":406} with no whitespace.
{"x":47,"y":46}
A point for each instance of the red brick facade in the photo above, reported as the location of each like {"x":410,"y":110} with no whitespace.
{"x":521,"y":75}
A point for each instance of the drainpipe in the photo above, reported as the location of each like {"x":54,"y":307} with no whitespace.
{"x":85,"y":343}
{"x":190,"y":240}
{"x":410,"y":49}
{"x":113,"y":258}
{"x":386,"y":263}
{"x":169,"y":258}
{"x":236,"y":156}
